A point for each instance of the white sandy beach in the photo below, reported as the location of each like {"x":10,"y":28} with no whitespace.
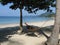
{"x":43,"y":23}
{"x":27,"y":40}
{"x":8,"y":25}
{"x":39,"y":24}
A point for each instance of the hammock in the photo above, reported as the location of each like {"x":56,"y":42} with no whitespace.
{"x":36,"y":28}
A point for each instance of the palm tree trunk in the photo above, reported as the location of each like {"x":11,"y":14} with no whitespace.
{"x":21,"y":19}
{"x":53,"y":40}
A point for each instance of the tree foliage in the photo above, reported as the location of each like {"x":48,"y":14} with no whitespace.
{"x":0,"y":0}
{"x":30,"y":5}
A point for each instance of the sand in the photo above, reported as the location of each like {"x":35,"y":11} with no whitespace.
{"x":8,"y":25}
{"x":17,"y":39}
{"x":42,"y":24}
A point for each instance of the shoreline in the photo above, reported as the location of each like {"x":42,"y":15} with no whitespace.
{"x":39,"y":24}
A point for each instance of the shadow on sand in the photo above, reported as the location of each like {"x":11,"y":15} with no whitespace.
{"x":4,"y":32}
{"x":30,"y":32}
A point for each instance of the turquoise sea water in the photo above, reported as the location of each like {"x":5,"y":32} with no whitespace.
{"x":14,"y":19}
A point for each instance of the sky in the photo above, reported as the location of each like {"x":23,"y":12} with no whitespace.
{"x":6,"y":11}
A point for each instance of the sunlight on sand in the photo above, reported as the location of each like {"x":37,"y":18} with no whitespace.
{"x":27,"y":40}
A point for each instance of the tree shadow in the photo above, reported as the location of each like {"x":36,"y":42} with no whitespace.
{"x":4,"y":32}
{"x":39,"y":30}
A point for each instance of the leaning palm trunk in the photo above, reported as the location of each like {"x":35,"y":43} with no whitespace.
{"x":53,"y":40}
{"x":21,"y":19}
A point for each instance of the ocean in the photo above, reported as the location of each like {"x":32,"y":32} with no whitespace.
{"x":15,"y":19}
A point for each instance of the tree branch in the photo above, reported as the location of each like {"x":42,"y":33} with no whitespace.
{"x":44,"y":34}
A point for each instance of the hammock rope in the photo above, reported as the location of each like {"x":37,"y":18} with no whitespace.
{"x":40,"y":26}
{"x":44,"y":23}
{"x":34,"y":29}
